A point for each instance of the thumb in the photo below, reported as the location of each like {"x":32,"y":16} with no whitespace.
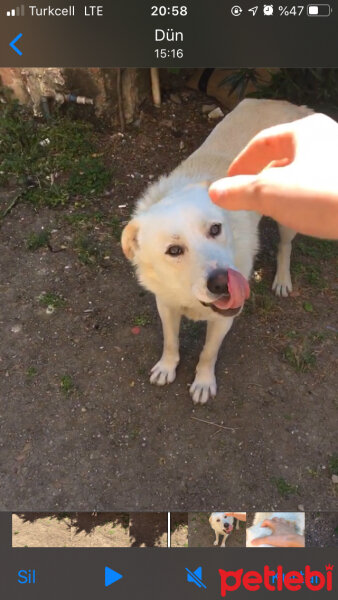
{"x":235,"y":193}
{"x":262,"y":540}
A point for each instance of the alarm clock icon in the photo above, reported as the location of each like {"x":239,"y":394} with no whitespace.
{"x":268,"y":10}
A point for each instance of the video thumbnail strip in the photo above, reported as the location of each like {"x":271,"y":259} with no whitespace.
{"x":175,"y":530}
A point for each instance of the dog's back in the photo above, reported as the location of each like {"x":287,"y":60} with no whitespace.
{"x":234,"y":132}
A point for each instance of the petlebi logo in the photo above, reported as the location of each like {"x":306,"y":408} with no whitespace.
{"x":277,"y":580}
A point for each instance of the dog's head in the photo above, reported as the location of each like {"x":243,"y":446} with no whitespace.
{"x":182,"y":247}
{"x":220,"y":523}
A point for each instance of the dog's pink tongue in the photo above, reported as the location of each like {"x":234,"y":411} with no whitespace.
{"x":239,"y":291}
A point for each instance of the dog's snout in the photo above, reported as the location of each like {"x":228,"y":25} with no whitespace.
{"x":217,"y":282}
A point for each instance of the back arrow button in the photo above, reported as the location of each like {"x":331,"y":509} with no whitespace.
{"x":13,"y":46}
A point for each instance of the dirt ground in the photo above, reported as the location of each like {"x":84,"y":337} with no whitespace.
{"x":179,"y":530}
{"x":201,"y":535}
{"x":321,"y":530}
{"x":79,"y":530}
{"x":80,"y":425}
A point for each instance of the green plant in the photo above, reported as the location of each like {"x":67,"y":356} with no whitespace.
{"x":38,"y":240}
{"x":116,"y":227}
{"x":52,"y":300}
{"x":50,"y":162}
{"x":239,"y":80}
{"x":313,"y":87}
{"x":66,"y":384}
{"x":284,"y":488}
{"x":31,"y":372}
{"x":333,"y":464}
{"x":141,"y":320}
{"x":89,"y":250}
{"x":321,"y":249}
{"x":299,"y":358}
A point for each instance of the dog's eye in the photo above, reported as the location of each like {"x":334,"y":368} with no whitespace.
{"x":175,"y":250}
{"x":218,"y":520}
{"x":215,"y":229}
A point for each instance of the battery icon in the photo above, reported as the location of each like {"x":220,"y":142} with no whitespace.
{"x":319,"y":10}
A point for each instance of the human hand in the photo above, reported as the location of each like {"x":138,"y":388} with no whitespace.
{"x":238,"y":515}
{"x":283,"y":535}
{"x":288,"y":172}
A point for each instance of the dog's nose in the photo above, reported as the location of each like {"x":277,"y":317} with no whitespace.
{"x":217,"y":282}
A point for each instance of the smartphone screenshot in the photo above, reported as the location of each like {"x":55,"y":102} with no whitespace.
{"x":168,"y":299}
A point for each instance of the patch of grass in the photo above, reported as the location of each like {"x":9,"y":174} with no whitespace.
{"x":66,"y":384}
{"x":284,"y":488}
{"x":288,"y":417}
{"x":50,"y":161}
{"x":135,"y":432}
{"x":88,"y":250}
{"x":308,"y":306}
{"x":302,"y":349}
{"x":292,"y":334}
{"x":333,"y":464}
{"x":141,"y":320}
{"x":116,"y":227}
{"x":37,"y":240}
{"x":310,"y":274}
{"x":78,"y":218}
{"x":313,"y":472}
{"x":262,"y":298}
{"x":299,"y":358}
{"x":90,"y":177}
{"x":31,"y":372}
{"x":125,"y":521}
{"x":317,"y":336}
{"x":321,"y":249}
{"x":49,"y":299}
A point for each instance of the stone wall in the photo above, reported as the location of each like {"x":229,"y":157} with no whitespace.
{"x":99,"y":85}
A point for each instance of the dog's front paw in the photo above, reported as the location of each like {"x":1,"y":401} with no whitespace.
{"x":282,"y":286}
{"x":215,"y":543}
{"x":162,"y":373}
{"x":202,"y":389}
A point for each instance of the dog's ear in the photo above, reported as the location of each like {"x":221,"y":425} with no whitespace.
{"x":129,"y":239}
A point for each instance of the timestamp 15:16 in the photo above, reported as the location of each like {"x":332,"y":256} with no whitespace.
{"x":169,"y":53}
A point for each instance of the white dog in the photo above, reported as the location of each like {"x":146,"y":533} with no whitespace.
{"x":196,"y":257}
{"x":222,"y":525}
{"x":257,"y":531}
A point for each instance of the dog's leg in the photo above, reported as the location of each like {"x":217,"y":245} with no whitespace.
{"x":282,"y":284}
{"x":223,"y":541}
{"x":217,"y":539}
{"x":165,"y":369}
{"x":237,"y":523}
{"x":204,"y":384}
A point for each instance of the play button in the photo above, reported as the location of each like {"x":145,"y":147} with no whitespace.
{"x":111,"y":576}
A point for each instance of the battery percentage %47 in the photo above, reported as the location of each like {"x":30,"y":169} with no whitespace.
{"x":293,"y":11}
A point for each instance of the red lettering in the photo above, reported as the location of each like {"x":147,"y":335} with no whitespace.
{"x":328,"y":580}
{"x":309,"y":575}
{"x":225,"y":586}
{"x":252,"y":581}
{"x":279,"y":578}
{"x":293,"y":581}
{"x":267,"y":575}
